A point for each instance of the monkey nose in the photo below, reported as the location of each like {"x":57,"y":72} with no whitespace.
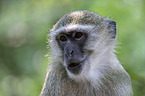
{"x":69,"y":53}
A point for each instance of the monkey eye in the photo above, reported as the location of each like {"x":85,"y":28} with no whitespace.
{"x":78,"y":35}
{"x":63,"y":38}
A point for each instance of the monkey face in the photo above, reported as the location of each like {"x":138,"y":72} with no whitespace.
{"x":71,"y":44}
{"x":80,"y":37}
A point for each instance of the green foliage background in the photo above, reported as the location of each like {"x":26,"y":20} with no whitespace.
{"x":24,"y":27}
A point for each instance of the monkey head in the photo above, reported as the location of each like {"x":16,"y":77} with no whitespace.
{"x":79,"y":41}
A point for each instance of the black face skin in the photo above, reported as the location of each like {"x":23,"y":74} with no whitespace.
{"x":72,"y":44}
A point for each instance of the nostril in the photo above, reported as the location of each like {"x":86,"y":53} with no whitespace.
{"x":71,"y":53}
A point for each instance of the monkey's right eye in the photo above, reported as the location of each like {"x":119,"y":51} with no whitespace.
{"x":63,"y":38}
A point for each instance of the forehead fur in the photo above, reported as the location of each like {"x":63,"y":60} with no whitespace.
{"x":78,"y":17}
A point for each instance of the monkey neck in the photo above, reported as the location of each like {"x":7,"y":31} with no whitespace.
{"x":65,"y":86}
{"x":68,"y":86}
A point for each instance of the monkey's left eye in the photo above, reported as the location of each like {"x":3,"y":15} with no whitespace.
{"x":63,"y":38}
{"x":78,"y":35}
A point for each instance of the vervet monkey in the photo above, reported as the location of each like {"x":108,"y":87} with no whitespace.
{"x":83,"y":60}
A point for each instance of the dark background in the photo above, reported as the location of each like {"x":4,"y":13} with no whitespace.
{"x":24,"y":26}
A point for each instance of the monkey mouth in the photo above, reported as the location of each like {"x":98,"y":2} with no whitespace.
{"x":74,"y":67}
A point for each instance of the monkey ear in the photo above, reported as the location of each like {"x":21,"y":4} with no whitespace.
{"x":112,"y":28}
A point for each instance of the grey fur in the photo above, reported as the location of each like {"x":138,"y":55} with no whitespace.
{"x":102,"y":74}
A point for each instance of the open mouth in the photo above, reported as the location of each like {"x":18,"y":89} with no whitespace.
{"x":75,"y":68}
{"x":73,"y":65}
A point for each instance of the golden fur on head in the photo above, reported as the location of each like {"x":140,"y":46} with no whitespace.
{"x":79,"y":17}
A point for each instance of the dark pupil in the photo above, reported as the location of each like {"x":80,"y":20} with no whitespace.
{"x":63,"y":38}
{"x":78,"y":35}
